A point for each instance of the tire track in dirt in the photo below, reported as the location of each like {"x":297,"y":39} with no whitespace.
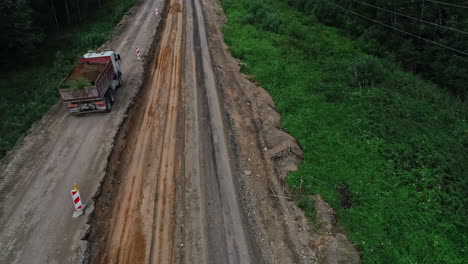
{"x":278,"y":227}
{"x":163,"y":228}
{"x":211,"y":224}
{"x":141,"y":229}
{"x":199,"y":209}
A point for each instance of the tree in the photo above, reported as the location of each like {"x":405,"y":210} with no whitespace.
{"x":18,"y":37}
{"x":444,"y":23}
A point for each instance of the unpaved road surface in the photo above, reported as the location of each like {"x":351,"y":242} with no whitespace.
{"x":195,"y":171}
{"x":142,"y":225}
{"x":176,"y":190}
{"x":37,"y":176}
{"x":209,"y":173}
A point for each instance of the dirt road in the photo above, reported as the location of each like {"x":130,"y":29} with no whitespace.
{"x":175,"y":192}
{"x":190,"y":178}
{"x":142,"y":227}
{"x":142,"y":224}
{"x":37,"y":176}
{"x":209,"y":172}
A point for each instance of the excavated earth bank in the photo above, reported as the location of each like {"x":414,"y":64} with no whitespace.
{"x":263,"y":156}
{"x":280,"y":228}
{"x":98,"y":217}
{"x":260,"y":154}
{"x":107,"y":198}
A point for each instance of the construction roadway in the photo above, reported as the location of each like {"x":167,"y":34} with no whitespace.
{"x":160,"y":173}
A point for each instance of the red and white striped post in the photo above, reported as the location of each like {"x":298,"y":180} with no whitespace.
{"x":156,"y":11}
{"x":79,"y":207}
{"x":138,"y":53}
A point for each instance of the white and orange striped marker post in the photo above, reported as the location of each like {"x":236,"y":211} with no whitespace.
{"x":79,"y":207}
{"x":138,"y":53}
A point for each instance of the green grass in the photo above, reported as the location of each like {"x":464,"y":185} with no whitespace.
{"x":76,"y":85}
{"x":28,"y":93}
{"x":399,"y":143}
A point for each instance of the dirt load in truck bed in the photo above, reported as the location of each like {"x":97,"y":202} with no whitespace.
{"x":87,"y":70}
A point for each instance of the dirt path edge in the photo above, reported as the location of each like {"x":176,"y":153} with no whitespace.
{"x":85,"y":246}
{"x":274,"y":220}
{"x":250,"y":109}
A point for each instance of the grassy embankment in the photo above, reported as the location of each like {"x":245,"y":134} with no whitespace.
{"x":28,"y":92}
{"x":385,"y":148}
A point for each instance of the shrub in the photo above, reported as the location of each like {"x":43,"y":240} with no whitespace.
{"x":76,"y":85}
{"x":271,"y":23}
{"x":368,"y":71}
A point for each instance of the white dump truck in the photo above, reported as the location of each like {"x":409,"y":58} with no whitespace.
{"x":91,"y":84}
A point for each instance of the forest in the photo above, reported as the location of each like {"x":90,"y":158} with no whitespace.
{"x":427,"y":37}
{"x":26,"y":25}
{"x":40,"y":42}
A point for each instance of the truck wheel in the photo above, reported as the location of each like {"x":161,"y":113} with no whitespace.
{"x":119,"y":78}
{"x":111,"y":96}
{"x":108,"y":104}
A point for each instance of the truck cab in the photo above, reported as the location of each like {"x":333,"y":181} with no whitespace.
{"x":115,"y":58}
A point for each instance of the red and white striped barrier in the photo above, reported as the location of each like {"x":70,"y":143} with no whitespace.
{"x":79,"y":208}
{"x":138,"y":53}
{"x":156,"y":11}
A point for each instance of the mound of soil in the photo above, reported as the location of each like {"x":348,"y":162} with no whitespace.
{"x":89,"y":71}
{"x":331,"y":243}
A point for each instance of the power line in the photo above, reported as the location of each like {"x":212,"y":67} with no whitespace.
{"x":444,"y":3}
{"x":410,"y":17}
{"x":397,"y":29}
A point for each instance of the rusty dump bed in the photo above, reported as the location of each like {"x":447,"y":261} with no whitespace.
{"x":87,"y":70}
{"x":99,"y":73}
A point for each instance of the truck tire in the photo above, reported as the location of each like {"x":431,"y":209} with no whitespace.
{"x":108,"y":103}
{"x":119,"y":78}
{"x":111,"y":95}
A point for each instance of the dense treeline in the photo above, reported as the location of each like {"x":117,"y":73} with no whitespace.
{"x":40,"y":42}
{"x":444,"y":22}
{"x":26,"y":24}
{"x":17,"y":29}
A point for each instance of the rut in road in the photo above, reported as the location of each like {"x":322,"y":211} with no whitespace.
{"x":142,"y":226}
{"x":176,"y":151}
{"x":214,"y":229}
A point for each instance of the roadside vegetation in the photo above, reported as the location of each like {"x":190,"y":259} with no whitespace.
{"x":43,"y":41}
{"x":426,"y":37}
{"x":384,"y":147}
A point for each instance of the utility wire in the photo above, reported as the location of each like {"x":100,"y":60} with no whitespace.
{"x":397,"y":29}
{"x":410,"y":17}
{"x":444,"y":3}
